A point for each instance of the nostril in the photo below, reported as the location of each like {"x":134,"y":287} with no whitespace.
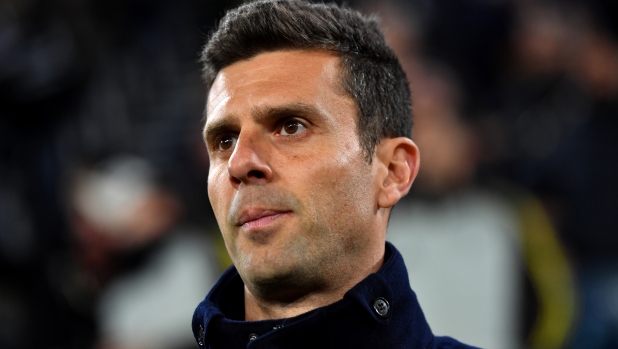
{"x":256,"y":174}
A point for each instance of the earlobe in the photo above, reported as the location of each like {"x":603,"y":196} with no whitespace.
{"x":399,"y":158}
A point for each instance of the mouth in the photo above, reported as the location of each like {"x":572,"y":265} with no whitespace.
{"x":258,"y":218}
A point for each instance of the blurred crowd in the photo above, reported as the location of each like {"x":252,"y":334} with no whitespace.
{"x":107,"y":239}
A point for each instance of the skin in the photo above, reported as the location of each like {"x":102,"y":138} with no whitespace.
{"x":302,"y":212}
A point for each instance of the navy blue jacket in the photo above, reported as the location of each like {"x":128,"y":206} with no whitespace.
{"x":379,"y":312}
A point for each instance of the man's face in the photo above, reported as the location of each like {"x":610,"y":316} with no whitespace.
{"x":289,"y":183}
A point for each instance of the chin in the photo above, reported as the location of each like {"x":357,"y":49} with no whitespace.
{"x":279,"y":281}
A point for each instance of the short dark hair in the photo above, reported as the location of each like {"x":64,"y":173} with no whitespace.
{"x":371,"y":72}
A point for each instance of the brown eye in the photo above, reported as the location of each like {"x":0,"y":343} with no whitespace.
{"x":292,"y":127}
{"x":226,"y":142}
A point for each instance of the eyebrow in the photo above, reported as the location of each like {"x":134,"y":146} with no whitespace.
{"x":261,"y":115}
{"x":224,"y":124}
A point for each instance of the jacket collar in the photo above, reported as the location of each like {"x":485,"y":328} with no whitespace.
{"x":385,"y":296}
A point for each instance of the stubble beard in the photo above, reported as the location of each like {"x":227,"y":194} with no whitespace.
{"x":320,"y":254}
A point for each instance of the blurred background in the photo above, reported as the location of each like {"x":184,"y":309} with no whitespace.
{"x":107,"y":239}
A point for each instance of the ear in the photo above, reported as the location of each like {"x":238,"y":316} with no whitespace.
{"x":398,"y":160}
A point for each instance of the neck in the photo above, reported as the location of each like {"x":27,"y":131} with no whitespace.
{"x":263,"y":307}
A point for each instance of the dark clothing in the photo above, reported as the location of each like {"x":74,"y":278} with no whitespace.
{"x":379,"y":312}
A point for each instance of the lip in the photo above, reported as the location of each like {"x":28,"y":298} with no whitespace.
{"x":258,"y":218}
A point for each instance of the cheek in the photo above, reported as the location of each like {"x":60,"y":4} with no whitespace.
{"x":218,"y":194}
{"x":341,"y":207}
{"x":342,"y":185}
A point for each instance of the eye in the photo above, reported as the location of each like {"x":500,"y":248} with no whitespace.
{"x":292,"y":127}
{"x":226,"y":142}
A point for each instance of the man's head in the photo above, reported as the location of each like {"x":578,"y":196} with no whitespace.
{"x":370,"y":72}
{"x":301,"y":198}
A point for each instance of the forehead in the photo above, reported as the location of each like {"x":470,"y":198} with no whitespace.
{"x":279,"y":77}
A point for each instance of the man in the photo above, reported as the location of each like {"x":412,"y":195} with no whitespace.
{"x":308,"y":131}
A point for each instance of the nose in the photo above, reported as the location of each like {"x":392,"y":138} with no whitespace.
{"x":248,"y":163}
